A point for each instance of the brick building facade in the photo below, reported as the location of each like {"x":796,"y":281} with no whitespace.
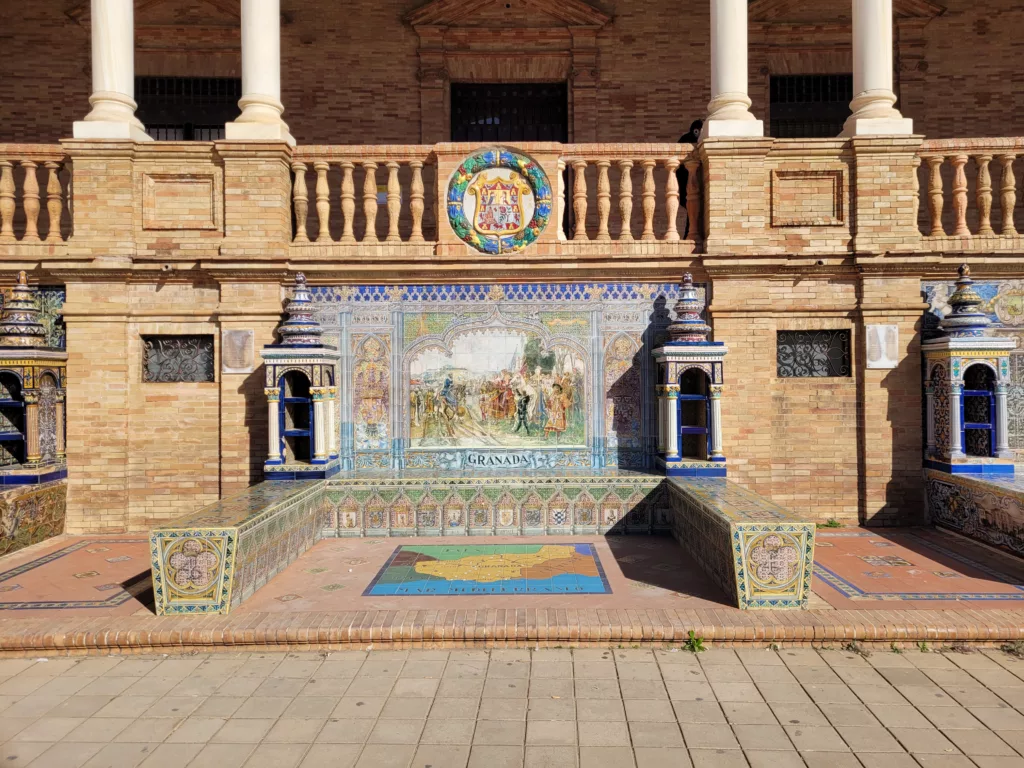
{"x":815,"y":235}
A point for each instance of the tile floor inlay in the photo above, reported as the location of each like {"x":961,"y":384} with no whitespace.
{"x":487,"y":569}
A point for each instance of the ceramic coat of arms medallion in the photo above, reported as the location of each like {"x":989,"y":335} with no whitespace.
{"x":499,"y":201}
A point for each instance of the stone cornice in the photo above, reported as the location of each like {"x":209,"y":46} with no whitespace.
{"x":573,"y":13}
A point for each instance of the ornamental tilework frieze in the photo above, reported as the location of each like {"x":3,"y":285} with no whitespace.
{"x":510,"y":375}
{"x":31,"y":514}
{"x":989,"y":510}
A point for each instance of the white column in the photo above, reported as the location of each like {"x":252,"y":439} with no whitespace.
{"x":672,"y":422}
{"x":662,"y":417}
{"x":319,"y":433}
{"x":113,"y":75}
{"x":273,"y":426}
{"x":729,"y":108}
{"x":332,"y":434}
{"x":956,"y":443}
{"x":716,"y":424}
{"x":873,"y":97}
{"x":1002,"y":424}
{"x":261,"y":75}
{"x":929,"y":396}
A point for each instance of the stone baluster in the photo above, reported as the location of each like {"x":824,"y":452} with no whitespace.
{"x":1008,"y":194}
{"x":54,"y":202}
{"x":693,"y":198}
{"x":300,"y":202}
{"x":648,"y":199}
{"x":416,"y":201}
{"x":30,"y":201}
{"x":6,"y":201}
{"x":626,"y":199}
{"x":604,"y":199}
{"x":394,"y":202}
{"x":917,"y":189}
{"x":370,"y":201}
{"x":561,"y":198}
{"x":672,"y":199}
{"x":960,"y":195}
{"x":323,"y":201}
{"x":348,"y":201}
{"x":984,"y":195}
{"x":579,"y":199}
{"x":935,"y":194}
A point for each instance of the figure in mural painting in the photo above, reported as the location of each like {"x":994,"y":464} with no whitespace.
{"x":558,"y":407}
{"x":522,"y":411}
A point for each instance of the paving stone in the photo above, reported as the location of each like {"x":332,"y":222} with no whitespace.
{"x":420,"y":668}
{"x":773,"y":759}
{"x":709,"y":736}
{"x":606,"y":757}
{"x":974,"y":695}
{"x":485,"y":756}
{"x":500,"y":733}
{"x":771,"y":674}
{"x":739,"y":713}
{"x":345,"y":730}
{"x":243,"y":731}
{"x":99,"y":729}
{"x":975,"y":743}
{"x":598,"y":689}
{"x":815,"y":738}
{"x":605,"y":710}
{"x":552,"y":687}
{"x":924,"y":741}
{"x":461,"y":687}
{"x":67,"y":754}
{"x":868,"y":739}
{"x":717,"y":758}
{"x":359,"y":706}
{"x":659,"y":757}
{"x":448,"y":731}
{"x":551,"y":732}
{"x":131,"y":755}
{"x":783,"y":693}
{"x":406,"y":709}
{"x":47,"y":729}
{"x":686,"y":690}
{"x":762,"y":737}
{"x":503,"y":709}
{"x":440,"y":756}
{"x":887,"y":760}
{"x":174,"y":706}
{"x":831,"y":694}
{"x":386,"y":756}
{"x":596,"y":734}
{"x":799,"y":714}
{"x":879,"y":694}
{"x":20,"y":754}
{"x":999,"y":718}
{"x":276,"y":756}
{"x":698,"y":712}
{"x":454,"y":708}
{"x":149,"y":730}
{"x":983,"y":761}
{"x":396,"y":732}
{"x":848,"y":714}
{"x":650,"y":710}
{"x":296,"y":730}
{"x":415,"y":687}
{"x":926,"y":696}
{"x":506,"y":688}
{"x":945,"y":718}
{"x":364,"y":686}
{"x":547,"y":669}
{"x":899,"y":717}
{"x":655,"y":734}
{"x":171,"y":755}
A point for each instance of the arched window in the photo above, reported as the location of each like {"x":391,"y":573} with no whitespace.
{"x":694,"y":415}
{"x":978,"y":415}
{"x":296,"y":417}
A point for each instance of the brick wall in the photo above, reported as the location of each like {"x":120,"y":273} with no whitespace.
{"x":350,"y":70}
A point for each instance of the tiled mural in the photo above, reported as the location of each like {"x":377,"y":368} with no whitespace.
{"x":30,"y":514}
{"x":987,"y":509}
{"x":511,"y":375}
{"x":1004,"y":305}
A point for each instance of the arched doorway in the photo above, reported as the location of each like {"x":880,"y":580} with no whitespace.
{"x":694,"y":415}
{"x":978,"y":414}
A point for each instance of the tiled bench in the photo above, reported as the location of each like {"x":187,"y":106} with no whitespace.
{"x":988,"y":509}
{"x":758,"y":552}
{"x":213,"y":559}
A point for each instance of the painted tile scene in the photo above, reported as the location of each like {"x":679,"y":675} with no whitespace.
{"x":488,"y":569}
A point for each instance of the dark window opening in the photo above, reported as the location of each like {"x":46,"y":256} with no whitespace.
{"x":694,"y":415}
{"x":809,"y":106}
{"x":187,"y":108}
{"x":812,"y":354}
{"x":483,"y":112}
{"x":978,"y":415}
{"x":296,"y":418}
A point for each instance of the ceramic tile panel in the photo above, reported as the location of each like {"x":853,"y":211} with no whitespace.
{"x":30,"y":514}
{"x":990,"y":510}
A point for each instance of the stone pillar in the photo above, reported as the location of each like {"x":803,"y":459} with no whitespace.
{"x":929,"y":396}
{"x":261,"y":75}
{"x":716,"y":424}
{"x":59,"y":426}
{"x":729,"y":108}
{"x":332,"y":433}
{"x":273,"y":425}
{"x":32,"y":453}
{"x":113,"y":75}
{"x":670,"y":408}
{"x":956,"y":445}
{"x":1002,"y":424}
{"x":319,"y":424}
{"x":662,"y":419}
{"x":873,"y":97}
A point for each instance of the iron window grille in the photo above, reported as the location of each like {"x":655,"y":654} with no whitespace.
{"x":813,"y":354}
{"x":187,"y":108}
{"x":809,"y":106}
{"x":169,"y":359}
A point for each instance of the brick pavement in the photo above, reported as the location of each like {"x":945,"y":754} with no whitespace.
{"x":593,"y":708}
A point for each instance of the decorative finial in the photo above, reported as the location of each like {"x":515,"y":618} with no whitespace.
{"x":19,"y":320}
{"x":966,"y":319}
{"x":689,"y":327}
{"x":300,"y":329}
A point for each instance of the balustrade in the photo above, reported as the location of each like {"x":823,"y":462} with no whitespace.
{"x":963,"y":167}
{"x":402,"y":194}
{"x":22,"y":197}
{"x":657,"y":166}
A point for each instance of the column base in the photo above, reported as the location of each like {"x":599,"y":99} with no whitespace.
{"x":878,"y":126}
{"x":103,"y":129}
{"x":732,"y":128}
{"x":258,"y":132}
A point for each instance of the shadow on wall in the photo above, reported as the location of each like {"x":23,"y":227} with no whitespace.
{"x":256,"y":429}
{"x":634,"y":405}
